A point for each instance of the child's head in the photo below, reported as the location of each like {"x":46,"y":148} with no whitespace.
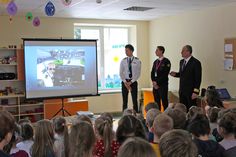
{"x":44,"y":137}
{"x":199,"y":126}
{"x":151,"y":115}
{"x":151,"y":105}
{"x":82,"y":118}
{"x":7,"y":125}
{"x":136,"y":147}
{"x":179,"y":118}
{"x":177,"y":143}
{"x":162,"y":124}
{"x":14,"y":140}
{"x":129,"y":126}
{"x":212,"y":98}
{"x":227,"y":124}
{"x":103,"y":127}
{"x":193,"y":111}
{"x":129,"y":111}
{"x":59,"y":124}
{"x":108,"y":115}
{"x":181,"y":107}
{"x":27,"y":131}
{"x":212,"y":114}
{"x":82,"y":140}
{"x":60,"y":128}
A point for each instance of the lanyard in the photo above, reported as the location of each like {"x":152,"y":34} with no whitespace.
{"x":158,"y":64}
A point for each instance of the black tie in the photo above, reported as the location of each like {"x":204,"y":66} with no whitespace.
{"x":130,"y":68}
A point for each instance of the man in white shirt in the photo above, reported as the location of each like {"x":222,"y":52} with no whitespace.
{"x":130,"y":68}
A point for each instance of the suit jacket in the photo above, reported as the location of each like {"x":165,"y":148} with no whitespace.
{"x":160,"y":73}
{"x":190,"y":76}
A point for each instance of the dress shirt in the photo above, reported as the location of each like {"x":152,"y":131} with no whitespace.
{"x":124,"y":69}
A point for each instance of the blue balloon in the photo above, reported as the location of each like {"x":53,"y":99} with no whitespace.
{"x":50,"y":9}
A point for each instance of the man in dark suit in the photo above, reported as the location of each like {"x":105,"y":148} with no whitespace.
{"x":159,"y":75}
{"x":190,"y":74}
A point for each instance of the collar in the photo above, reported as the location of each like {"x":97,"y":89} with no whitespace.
{"x":187,"y":59}
{"x":160,"y":59}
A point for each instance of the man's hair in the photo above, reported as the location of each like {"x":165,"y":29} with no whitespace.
{"x":161,"y":48}
{"x":151,"y":115}
{"x":177,"y":143}
{"x":129,"y":46}
{"x":151,"y":105}
{"x":136,"y":147}
{"x":178,"y":117}
{"x":162,"y":123}
{"x":189,"y":48}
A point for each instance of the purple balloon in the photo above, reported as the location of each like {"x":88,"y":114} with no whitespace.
{"x":36,"y":22}
{"x":12,"y":8}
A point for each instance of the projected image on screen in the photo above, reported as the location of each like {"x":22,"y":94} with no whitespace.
{"x":60,"y":67}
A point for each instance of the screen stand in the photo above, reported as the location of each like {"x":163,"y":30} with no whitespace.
{"x":62,"y":109}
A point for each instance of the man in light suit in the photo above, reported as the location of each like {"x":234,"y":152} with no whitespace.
{"x":190,"y":74}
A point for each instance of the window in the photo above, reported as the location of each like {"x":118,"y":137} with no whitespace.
{"x":111,"y":44}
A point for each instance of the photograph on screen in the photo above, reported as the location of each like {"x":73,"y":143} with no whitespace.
{"x":57,"y":67}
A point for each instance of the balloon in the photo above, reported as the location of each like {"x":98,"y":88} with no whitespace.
{"x":4,"y":1}
{"x":66,"y":2}
{"x":12,"y":8}
{"x":36,"y":22}
{"x":50,"y":9}
{"x":29,"y":16}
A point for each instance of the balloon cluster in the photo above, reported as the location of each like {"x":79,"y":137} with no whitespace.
{"x":49,"y":10}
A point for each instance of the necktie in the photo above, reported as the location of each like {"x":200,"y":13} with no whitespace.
{"x":184,"y":64}
{"x":130,"y":68}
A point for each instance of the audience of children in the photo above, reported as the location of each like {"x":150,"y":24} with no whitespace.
{"x":96,"y":138}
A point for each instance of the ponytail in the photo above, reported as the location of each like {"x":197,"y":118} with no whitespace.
{"x":107,"y":137}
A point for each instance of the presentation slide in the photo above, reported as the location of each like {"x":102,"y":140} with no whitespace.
{"x":60,"y":68}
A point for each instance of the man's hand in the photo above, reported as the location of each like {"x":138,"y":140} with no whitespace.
{"x":172,"y":73}
{"x":194,"y":96}
{"x":127,"y":85}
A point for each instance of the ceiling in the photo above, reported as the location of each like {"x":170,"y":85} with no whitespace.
{"x":113,"y":9}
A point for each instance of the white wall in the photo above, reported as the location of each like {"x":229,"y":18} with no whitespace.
{"x":11,"y":34}
{"x":205,"y":30}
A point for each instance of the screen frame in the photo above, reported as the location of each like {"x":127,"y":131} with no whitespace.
{"x":62,"y":40}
